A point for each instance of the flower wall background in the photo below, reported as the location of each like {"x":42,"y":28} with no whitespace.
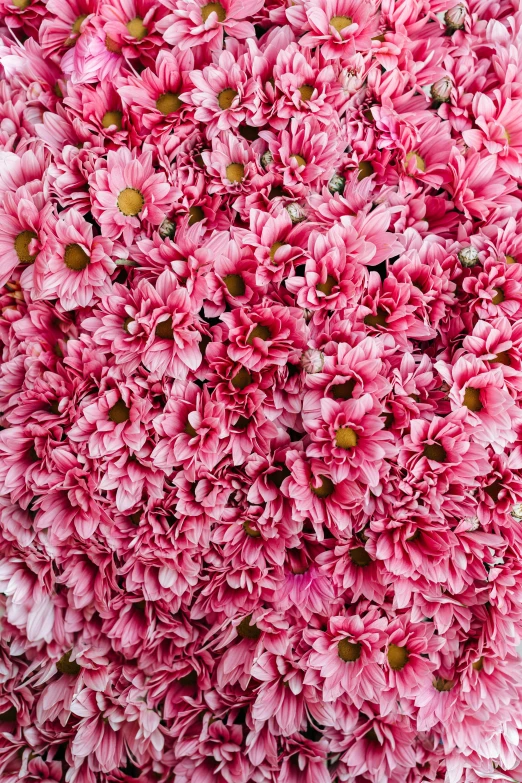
{"x":260,"y":383}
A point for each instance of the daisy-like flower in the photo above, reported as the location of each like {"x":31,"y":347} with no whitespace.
{"x":339,"y":27}
{"x":265,"y":336}
{"x":223,"y":94}
{"x":154,"y":97}
{"x":128,"y":192}
{"x":350,"y":437}
{"x":305,"y":153}
{"x":76,"y":265}
{"x":22,"y":216}
{"x":197,"y":23}
{"x":348,"y":656}
{"x":441,"y":447}
{"x":230,"y":164}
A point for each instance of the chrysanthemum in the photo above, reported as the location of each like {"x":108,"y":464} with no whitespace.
{"x":196,"y":22}
{"x":75,"y":266}
{"x":339,"y":27}
{"x":347,"y":656}
{"x":128,"y":192}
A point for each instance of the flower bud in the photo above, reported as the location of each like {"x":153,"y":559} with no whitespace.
{"x":441,"y":90}
{"x":266,"y":159}
{"x":454,"y":18}
{"x":468,"y":256}
{"x":296,"y":212}
{"x":167,"y":229}
{"x":337,"y":184}
{"x":312,"y":361}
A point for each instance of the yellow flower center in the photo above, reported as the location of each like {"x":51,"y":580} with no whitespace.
{"x":247,"y":631}
{"x":360,"y":557}
{"x":327,"y":287}
{"x":379,"y":319}
{"x":499,"y":296}
{"x":112,"y":118}
{"x":226,"y":98}
{"x":66,"y":666}
{"x":251,"y":531}
{"x":343,"y":391}
{"x":136,"y":28}
{"x":130,"y":202}
{"x":273,"y":250}
{"x":472,"y":399}
{"x":76,"y":258}
{"x":235,"y":285}
{"x":78,"y":23}
{"x":168,"y":103}
{"x":259,"y":331}
{"x":21,"y":3}
{"x":443,"y":685}
{"x":119,"y":413}
{"x":196,"y":215}
{"x":189,"y":429}
{"x":325,"y":488}
{"x":346,"y":438}
{"x":299,"y":160}
{"x":365,"y":170}
{"x":419,"y":162}
{"x":398,"y":657}
{"x":501,"y":358}
{"x":349,"y":651}
{"x":511,"y":260}
{"x":306,"y":91}
{"x":112,"y":46}
{"x":340,"y":22}
{"x":479,"y":664}
{"x":235,"y":172}
{"x":21,"y":246}
{"x":213,"y":8}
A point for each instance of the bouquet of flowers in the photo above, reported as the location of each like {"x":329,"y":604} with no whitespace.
{"x":260,"y":391}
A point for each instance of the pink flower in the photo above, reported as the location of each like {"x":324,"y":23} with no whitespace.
{"x":330,"y":281}
{"x":305,"y":153}
{"x":75,"y":266}
{"x":196,"y":23}
{"x":349,"y":436}
{"x":347,"y":657}
{"x":498,"y":129}
{"x":128,"y":192}
{"x":266,"y":336}
{"x":223,"y":94}
{"x":98,"y":737}
{"x":441,"y":448}
{"x":190,"y":430}
{"x":339,"y":27}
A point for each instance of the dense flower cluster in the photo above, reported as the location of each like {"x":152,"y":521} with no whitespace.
{"x":260,"y":391}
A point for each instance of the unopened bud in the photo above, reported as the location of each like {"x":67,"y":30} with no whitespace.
{"x":441,"y":90}
{"x":516,"y":511}
{"x":468,"y":256}
{"x":312,"y":361}
{"x":296,"y":212}
{"x":455,"y":17}
{"x":337,"y":184}
{"x":167,"y":229}
{"x":266,"y":159}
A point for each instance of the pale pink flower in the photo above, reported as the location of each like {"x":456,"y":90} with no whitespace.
{"x":349,"y":436}
{"x":223,"y":94}
{"x":75,"y":266}
{"x":128,"y":192}
{"x":339,"y":27}
{"x":198,"y":23}
{"x":347,"y":657}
